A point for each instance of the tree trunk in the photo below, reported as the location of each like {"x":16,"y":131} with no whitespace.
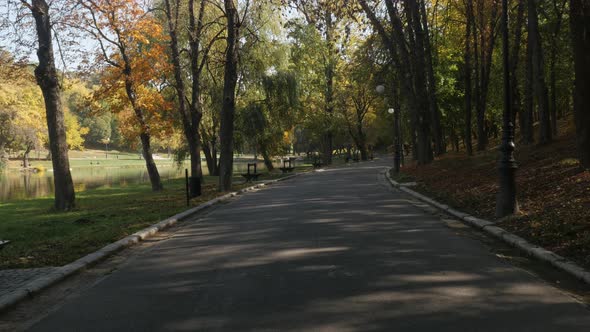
{"x":539,"y":84}
{"x":46,"y":75}
{"x":329,"y":94}
{"x":26,"y":157}
{"x":211,"y":157}
{"x":144,"y":136}
{"x":190,"y":133}
{"x":149,"y":162}
{"x":226,"y":131}
{"x":424,"y":137}
{"x":527,"y":132}
{"x":516,"y":102}
{"x":437,"y":130}
{"x":362,"y":142}
{"x":266,"y":158}
{"x":580,"y":27}
{"x":195,"y":108}
{"x":468,"y":70}
{"x":553,"y":61}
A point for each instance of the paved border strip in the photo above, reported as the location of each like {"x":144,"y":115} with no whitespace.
{"x":35,"y":286}
{"x":489,"y":227}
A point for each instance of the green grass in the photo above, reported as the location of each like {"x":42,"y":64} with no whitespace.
{"x":96,"y":157}
{"x":41,"y":236}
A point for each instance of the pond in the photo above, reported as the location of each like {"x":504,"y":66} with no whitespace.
{"x":15,"y":185}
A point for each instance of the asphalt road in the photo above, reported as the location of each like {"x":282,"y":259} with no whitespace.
{"x":338,"y":250}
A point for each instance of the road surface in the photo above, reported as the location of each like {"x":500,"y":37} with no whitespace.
{"x":338,"y":250}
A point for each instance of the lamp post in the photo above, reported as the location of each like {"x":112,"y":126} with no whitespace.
{"x":506,"y":203}
{"x":396,"y":140}
{"x":106,"y":147}
{"x":397,"y":153}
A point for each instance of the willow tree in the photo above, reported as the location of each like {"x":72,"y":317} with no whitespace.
{"x":265,"y":122}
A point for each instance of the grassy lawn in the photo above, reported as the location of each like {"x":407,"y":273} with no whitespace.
{"x":43,"y":237}
{"x":96,"y":157}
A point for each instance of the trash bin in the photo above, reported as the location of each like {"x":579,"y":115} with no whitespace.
{"x":194,"y":186}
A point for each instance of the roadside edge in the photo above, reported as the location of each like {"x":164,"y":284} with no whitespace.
{"x":489,"y":227}
{"x":39,"y":284}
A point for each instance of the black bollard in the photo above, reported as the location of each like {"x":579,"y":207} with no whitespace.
{"x":195,"y":186}
{"x":186,"y":183}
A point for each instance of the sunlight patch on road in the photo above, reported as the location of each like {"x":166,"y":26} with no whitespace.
{"x":301,"y":252}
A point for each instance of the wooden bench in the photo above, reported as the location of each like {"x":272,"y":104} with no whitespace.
{"x":317,"y":163}
{"x":285,"y":168}
{"x":249,"y":176}
{"x":3,"y":243}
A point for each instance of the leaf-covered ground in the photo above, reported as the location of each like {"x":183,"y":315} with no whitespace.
{"x":553,"y":193}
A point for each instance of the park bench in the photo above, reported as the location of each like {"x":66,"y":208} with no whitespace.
{"x":317,"y":163}
{"x":3,"y":243}
{"x":249,"y":176}
{"x":286,"y":168}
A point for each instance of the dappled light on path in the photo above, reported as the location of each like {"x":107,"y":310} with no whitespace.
{"x":336,"y":251}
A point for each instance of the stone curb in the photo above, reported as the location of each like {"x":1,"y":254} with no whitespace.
{"x":489,"y":227}
{"x":34,"y":287}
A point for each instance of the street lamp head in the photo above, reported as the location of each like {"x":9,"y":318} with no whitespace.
{"x":391,"y":111}
{"x":380,"y":89}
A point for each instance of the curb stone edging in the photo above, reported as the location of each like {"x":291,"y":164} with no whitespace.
{"x":37,"y":285}
{"x":489,"y":227}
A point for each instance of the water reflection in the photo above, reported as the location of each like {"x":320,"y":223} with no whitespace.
{"x":21,"y":185}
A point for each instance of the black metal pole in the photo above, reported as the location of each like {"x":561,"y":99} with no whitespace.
{"x":188,"y":198}
{"x":397,"y":156}
{"x":506,"y":203}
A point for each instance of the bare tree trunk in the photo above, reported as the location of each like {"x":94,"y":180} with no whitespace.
{"x":437,"y":130}
{"x":211,"y":157}
{"x":329,"y":94}
{"x":197,"y":64}
{"x":514,"y":61}
{"x":468,"y":70}
{"x":529,"y":102}
{"x":553,"y":61}
{"x":226,"y":131}
{"x":580,"y":27}
{"x":152,"y":169}
{"x":540,"y":86}
{"x":145,"y":135}
{"x":26,"y":157}
{"x":424,"y":137}
{"x":266,"y":158}
{"x":190,"y":132}
{"x":46,"y":75}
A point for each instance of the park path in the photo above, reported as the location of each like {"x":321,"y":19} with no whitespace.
{"x":338,"y":250}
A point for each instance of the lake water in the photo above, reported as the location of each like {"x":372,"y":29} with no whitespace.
{"x":15,"y":185}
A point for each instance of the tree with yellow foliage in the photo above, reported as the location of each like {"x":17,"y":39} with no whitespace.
{"x":132,"y":45}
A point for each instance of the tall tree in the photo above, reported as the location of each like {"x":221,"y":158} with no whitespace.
{"x":484,"y":40}
{"x":47,"y":78}
{"x":127,"y":34}
{"x":580,"y":27}
{"x":468,"y":75}
{"x":538,"y":66}
{"x":199,"y":46}
{"x":406,"y":49}
{"x":226,"y":131}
